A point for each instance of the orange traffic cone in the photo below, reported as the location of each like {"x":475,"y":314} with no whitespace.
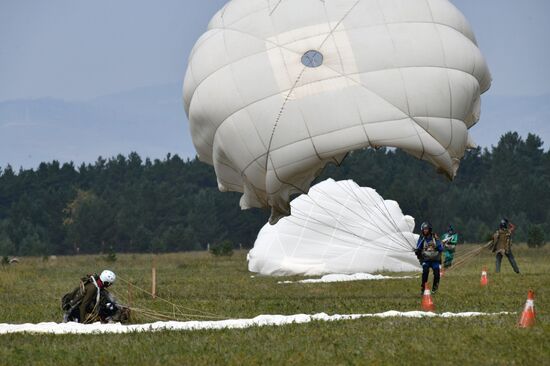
{"x":527,"y":318}
{"x":427,"y":302}
{"x":484,"y":281}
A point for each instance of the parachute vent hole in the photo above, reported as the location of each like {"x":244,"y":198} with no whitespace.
{"x":312,"y":59}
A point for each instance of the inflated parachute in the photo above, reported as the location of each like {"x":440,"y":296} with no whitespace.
{"x":277,"y":89}
{"x":338,"y":227}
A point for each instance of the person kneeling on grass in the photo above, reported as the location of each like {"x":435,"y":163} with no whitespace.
{"x":92,"y":302}
{"x":428,"y":251}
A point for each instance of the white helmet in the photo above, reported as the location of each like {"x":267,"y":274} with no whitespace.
{"x":107,"y":277}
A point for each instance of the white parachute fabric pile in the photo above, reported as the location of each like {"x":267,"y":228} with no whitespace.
{"x":338,"y":228}
{"x":276,"y":89}
{"x":347,"y":278}
{"x":259,"y":321}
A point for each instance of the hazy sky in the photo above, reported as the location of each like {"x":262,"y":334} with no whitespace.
{"x":79,"y":49}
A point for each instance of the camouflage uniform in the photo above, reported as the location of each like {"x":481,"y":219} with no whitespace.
{"x":502,"y":245}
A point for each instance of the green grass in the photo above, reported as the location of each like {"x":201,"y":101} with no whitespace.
{"x":30,"y":292}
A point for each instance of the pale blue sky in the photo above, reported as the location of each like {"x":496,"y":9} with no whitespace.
{"x":76,"y":49}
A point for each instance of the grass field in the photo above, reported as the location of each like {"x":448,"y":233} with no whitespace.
{"x":30,"y":292}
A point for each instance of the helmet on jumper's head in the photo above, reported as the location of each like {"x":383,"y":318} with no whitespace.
{"x":503,"y":224}
{"x":107,"y":278}
{"x":426,"y":225}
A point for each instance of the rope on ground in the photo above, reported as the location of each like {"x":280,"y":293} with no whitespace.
{"x":195,"y":313}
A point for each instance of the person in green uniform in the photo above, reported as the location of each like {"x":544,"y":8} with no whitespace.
{"x":449,"y":240}
{"x":83,"y":303}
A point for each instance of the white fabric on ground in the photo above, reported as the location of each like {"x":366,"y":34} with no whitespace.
{"x":348,"y":278}
{"x":259,"y":321}
{"x":338,"y":227}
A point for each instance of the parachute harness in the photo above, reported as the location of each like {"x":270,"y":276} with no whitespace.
{"x":95,"y":311}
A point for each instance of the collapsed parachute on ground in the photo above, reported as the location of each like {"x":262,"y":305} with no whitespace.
{"x":276,"y":89}
{"x":338,"y":227}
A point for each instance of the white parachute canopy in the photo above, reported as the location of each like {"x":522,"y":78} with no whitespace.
{"x":338,"y":227}
{"x":276,"y":89}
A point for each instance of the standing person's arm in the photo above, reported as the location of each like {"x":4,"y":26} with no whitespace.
{"x":454,"y":239}
{"x":511,"y":230}
{"x":493,"y":245}
{"x":509,"y":242}
{"x":418,"y":250}
{"x":439,"y":244}
{"x":439,"y":247}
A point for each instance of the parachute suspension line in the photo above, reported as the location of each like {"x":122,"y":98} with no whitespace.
{"x":280,"y":114}
{"x":148,"y":313}
{"x":361,"y":217}
{"x":385,"y":211}
{"x":171,"y":315}
{"x":377,"y":227}
{"x":275,"y":7}
{"x":322,"y":223}
{"x":340,"y":226}
{"x":340,"y":204}
{"x":467,"y":257}
{"x":368,"y":210}
{"x":371,"y":213}
{"x":344,"y":228}
{"x":376,"y":211}
{"x":348,"y":208}
{"x":175,"y":306}
{"x":160,"y":315}
{"x":332,"y":214}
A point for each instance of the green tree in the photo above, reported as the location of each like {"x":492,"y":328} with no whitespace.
{"x":7,"y":247}
{"x":88,"y":221}
{"x":170,"y":204}
{"x":535,"y":237}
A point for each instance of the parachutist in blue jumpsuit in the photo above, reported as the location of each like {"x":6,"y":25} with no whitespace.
{"x":428,"y":251}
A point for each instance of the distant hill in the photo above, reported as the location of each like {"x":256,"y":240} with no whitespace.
{"x":152,"y":122}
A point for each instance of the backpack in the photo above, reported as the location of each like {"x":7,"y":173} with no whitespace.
{"x":72,"y":299}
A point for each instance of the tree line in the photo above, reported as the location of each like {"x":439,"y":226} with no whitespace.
{"x":127,"y":204}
